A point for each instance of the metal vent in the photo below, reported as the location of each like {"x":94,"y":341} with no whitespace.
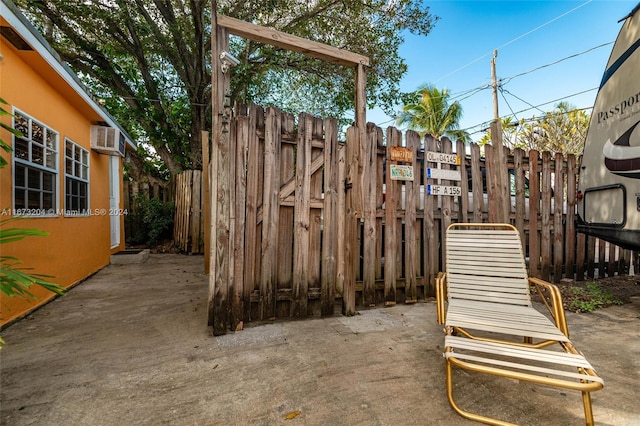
{"x":13,"y":37}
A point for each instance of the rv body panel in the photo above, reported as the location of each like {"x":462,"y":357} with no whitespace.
{"x":609,"y":183}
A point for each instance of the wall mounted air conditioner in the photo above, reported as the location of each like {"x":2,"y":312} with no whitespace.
{"x":107,"y":140}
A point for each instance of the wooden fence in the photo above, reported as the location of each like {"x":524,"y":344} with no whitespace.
{"x":188,"y":221}
{"x":543,"y":191}
{"x":314,"y":221}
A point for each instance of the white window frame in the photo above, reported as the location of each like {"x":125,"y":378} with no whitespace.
{"x":47,"y":152}
{"x":80,"y":172}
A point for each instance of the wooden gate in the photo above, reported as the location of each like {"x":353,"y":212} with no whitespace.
{"x":284,"y":228}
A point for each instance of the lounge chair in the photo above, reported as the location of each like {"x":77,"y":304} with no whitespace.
{"x":491,"y":326}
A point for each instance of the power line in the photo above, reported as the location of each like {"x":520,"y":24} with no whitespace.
{"x":474,"y":91}
{"x":508,"y":79}
{"x":464,"y":94}
{"x":513,"y":40}
{"x":507,"y":102}
{"x":555,"y":114}
{"x":557,"y":100}
{"x":522,"y":100}
{"x":525,"y":120}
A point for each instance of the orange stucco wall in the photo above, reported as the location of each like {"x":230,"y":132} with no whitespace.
{"x":76,"y":247}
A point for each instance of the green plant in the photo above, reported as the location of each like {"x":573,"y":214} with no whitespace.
{"x":151,"y":220}
{"x":593,"y":296}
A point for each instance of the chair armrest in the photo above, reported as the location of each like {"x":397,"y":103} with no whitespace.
{"x":551,"y":294}
{"x":441,"y":296}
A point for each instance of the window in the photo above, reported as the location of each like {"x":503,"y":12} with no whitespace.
{"x":76,"y":183}
{"x":35,"y":168}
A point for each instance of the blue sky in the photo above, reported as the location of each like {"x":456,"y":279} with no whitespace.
{"x":457,"y":54}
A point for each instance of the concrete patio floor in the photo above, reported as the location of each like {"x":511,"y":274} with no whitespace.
{"x":130,"y":346}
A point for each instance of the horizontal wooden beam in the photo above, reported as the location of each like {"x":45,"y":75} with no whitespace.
{"x":290,"y":42}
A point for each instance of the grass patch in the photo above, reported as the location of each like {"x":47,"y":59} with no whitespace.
{"x":591,"y":297}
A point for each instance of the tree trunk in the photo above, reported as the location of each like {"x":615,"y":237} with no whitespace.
{"x":198,"y":124}
{"x":173,"y":166}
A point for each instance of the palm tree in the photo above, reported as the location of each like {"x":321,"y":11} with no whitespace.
{"x":432,"y":114}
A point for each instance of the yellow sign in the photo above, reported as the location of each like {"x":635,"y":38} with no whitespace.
{"x":399,"y":153}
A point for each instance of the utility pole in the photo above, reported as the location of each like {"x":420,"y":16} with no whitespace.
{"x":494,"y":82}
{"x":499,"y":176}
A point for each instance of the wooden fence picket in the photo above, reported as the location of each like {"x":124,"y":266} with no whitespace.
{"x":270,"y":213}
{"x":330,"y":233}
{"x":369,"y":216}
{"x":410,"y":249}
{"x":301,"y":248}
{"x":392,"y":196}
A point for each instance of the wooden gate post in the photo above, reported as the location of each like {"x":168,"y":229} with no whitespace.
{"x":412,"y":189}
{"x":220,"y":192}
{"x":206,"y":200}
{"x":330,"y":233}
{"x":500,"y":176}
{"x":352,"y":223}
{"x":430,"y":228}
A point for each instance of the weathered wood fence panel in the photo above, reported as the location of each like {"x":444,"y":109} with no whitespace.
{"x":285,"y":261}
{"x":187,"y":225}
{"x":542,"y":206}
{"x":314,"y":221}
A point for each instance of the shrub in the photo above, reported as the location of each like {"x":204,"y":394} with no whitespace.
{"x":151,"y":221}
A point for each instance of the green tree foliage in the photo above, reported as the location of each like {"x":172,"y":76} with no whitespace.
{"x":429,"y":112}
{"x":509,"y":134}
{"x":145,"y":58}
{"x":150,"y":59}
{"x":564,"y":130}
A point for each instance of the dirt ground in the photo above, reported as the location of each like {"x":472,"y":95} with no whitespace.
{"x":616,"y":290}
{"x":131,"y":346}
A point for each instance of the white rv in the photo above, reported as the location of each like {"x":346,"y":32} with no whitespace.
{"x":609,"y":182}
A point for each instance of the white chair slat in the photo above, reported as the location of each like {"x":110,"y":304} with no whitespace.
{"x":508,"y":328}
{"x":488,"y":270}
{"x":480,"y":280}
{"x":527,"y":367}
{"x":462,"y":286}
{"x":490,"y":296}
{"x":510,"y":351}
{"x":494,"y":307}
{"x":544,"y":355}
{"x":516,"y":317}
